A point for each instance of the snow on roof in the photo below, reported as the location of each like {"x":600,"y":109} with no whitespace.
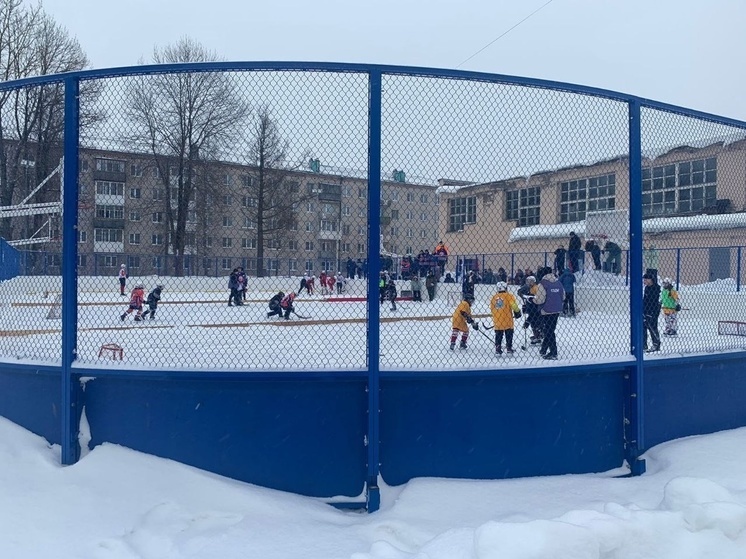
{"x":653,"y":225}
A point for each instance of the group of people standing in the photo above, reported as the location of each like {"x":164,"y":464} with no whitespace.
{"x":542,"y":304}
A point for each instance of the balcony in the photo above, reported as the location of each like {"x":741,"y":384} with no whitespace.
{"x":329,"y":236}
{"x":112,"y":176}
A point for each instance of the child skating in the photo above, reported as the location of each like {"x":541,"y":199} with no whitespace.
{"x":504,"y":309}
{"x":136,"y":299}
{"x":670,"y":307}
{"x":154,"y":298}
{"x":461,"y":319}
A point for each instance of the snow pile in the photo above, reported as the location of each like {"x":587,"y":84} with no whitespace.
{"x":120,"y":504}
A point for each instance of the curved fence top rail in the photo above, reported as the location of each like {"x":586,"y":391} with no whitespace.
{"x":342,"y":67}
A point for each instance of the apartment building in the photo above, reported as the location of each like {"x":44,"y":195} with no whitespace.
{"x":123,"y":218}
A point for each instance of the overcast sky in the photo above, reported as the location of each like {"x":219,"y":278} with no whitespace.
{"x":684,"y":52}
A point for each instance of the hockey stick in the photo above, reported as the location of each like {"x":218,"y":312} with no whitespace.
{"x":525,"y":336}
{"x":300,"y":315}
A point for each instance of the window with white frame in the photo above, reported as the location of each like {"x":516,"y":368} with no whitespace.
{"x":227,"y":242}
{"x":227,"y":221}
{"x":683,"y":187}
{"x":108,"y":235}
{"x":309,"y":246}
{"x":134,"y":238}
{"x":82,"y":236}
{"x":293,"y":245}
{"x":157,"y":217}
{"x":158,"y":194}
{"x":110,"y":165}
{"x":249,"y":223}
{"x":109,"y":188}
{"x":135,"y":193}
{"x":247,"y":181}
{"x":248,"y":243}
{"x":293,"y":265}
{"x":136,"y":170}
{"x":410,"y":196}
{"x":361,"y":248}
{"x":135,"y":215}
{"x":225,"y":264}
{"x":227,"y":200}
{"x":156,"y":239}
{"x":109,"y":212}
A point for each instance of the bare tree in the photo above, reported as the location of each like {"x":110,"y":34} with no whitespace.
{"x":276,"y":195}
{"x":183,"y":119}
{"x":32,"y":118}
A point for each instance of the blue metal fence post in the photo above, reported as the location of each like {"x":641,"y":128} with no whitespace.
{"x":373,"y":496}
{"x":69,"y":413}
{"x":636,"y":428}
{"x":512,"y":265}
{"x":678,"y":267}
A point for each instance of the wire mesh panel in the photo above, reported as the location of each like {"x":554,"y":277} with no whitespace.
{"x":484,"y":225}
{"x":693,"y":208}
{"x":31,"y":139}
{"x":223,"y":221}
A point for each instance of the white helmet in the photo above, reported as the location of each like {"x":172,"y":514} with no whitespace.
{"x":667,"y":281}
{"x":502,"y":286}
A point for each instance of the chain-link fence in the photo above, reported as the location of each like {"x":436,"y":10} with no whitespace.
{"x":223,"y":222}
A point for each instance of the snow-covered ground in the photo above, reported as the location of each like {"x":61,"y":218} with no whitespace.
{"x":196,"y":329}
{"x":120,"y":504}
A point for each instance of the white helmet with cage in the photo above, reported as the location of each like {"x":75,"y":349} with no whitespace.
{"x":502,"y":286}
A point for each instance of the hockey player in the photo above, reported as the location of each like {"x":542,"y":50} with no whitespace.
{"x":330,"y":281}
{"x":153,"y":298}
{"x":461,"y":318}
{"x":274,"y":305}
{"x":390,"y":294}
{"x":122,"y":279}
{"x":504,"y":309}
{"x":527,"y":292}
{"x":322,"y":283}
{"x":287,"y":304}
{"x":136,"y":298}
{"x":340,"y":283}
{"x":670,"y":306}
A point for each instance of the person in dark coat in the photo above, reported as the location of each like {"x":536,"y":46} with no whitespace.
{"x":153,"y":298}
{"x":467,"y":287}
{"x":567,"y":279}
{"x":235,"y":288}
{"x":595,"y":250}
{"x":613,"y":262}
{"x":430,"y":282}
{"x":274,"y":305}
{"x":651,"y":310}
{"x":559,"y":260}
{"x":574,"y":252}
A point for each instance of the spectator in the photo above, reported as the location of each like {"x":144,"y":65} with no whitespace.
{"x":502,"y":275}
{"x":574,"y":252}
{"x":350,"y":268}
{"x":449,"y":278}
{"x":549,"y":297}
{"x":416,"y":287}
{"x":441,"y":253}
{"x":567,"y":279}
{"x":613,"y":263}
{"x":651,"y":310}
{"x":592,"y":247}
{"x":122,"y":280}
{"x":559,"y":259}
{"x":430,"y":282}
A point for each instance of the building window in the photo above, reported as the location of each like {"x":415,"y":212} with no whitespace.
{"x":249,"y":202}
{"x":249,"y":223}
{"x":225,"y":264}
{"x":227,"y":200}
{"x":424,"y":198}
{"x":82,"y":236}
{"x":361,"y":248}
{"x":684,"y":187}
{"x":82,"y":260}
{"x":227,"y":242}
{"x":226,"y":180}
{"x":157,"y":217}
{"x":292,"y":245}
{"x":361,"y":193}
{"x":410,"y":197}
{"x":345,"y":247}
{"x":309,"y":246}
{"x":208,"y":242}
{"x":157,"y":194}
{"x":156,"y":239}
{"x":135,"y":215}
{"x":347,"y":191}
{"x":133,"y":262}
{"x":135,"y":193}
{"x":580,"y":196}
{"x":461,"y":211}
{"x":309,"y":226}
{"x":110,"y":212}
{"x":136,"y":170}
{"x":247,"y":181}
{"x":227,"y":221}
{"x":134,"y":238}
{"x":110,"y":165}
{"x":109,"y":188}
{"x":345,"y":230}
{"x":327,"y":246}
{"x":292,"y":265}
{"x":523,"y":205}
{"x":394,"y":214}
{"x":108,"y":235}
